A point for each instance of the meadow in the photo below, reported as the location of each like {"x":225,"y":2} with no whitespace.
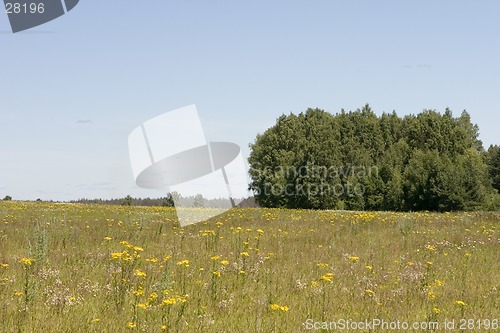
{"x":89,"y":268}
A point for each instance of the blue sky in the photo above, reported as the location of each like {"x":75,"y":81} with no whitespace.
{"x":73,"y":89}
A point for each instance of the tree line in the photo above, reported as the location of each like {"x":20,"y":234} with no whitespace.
{"x":167,"y":201}
{"x":196,"y":201}
{"x":357,"y":160}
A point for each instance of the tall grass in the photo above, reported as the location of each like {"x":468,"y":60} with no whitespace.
{"x":79,"y":268}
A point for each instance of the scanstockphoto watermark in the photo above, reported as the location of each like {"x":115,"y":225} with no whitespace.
{"x":378,"y":324}
{"x":312,"y":180}
{"x":369,"y":325}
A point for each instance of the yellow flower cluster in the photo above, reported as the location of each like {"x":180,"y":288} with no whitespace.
{"x":277,"y":307}
{"x":130,"y":253}
{"x":27,"y":261}
{"x":369,"y":292}
{"x":327,"y":277}
{"x":139,"y":273}
{"x":184,"y":263}
{"x":174,"y":300}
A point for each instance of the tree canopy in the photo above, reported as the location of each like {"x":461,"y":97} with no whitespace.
{"x":358,"y":160}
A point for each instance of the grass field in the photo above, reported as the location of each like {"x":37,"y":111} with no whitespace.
{"x":78,"y":268}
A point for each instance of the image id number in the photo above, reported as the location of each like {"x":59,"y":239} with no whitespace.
{"x":18,"y":8}
{"x":478,"y":324}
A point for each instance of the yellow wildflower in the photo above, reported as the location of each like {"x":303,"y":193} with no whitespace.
{"x":182,"y":299}
{"x":139,"y":273}
{"x":116,"y":255}
{"x":328,"y":277}
{"x":169,"y":301}
{"x":27,"y":261}
{"x":184,"y":263}
{"x":153,"y":297}
{"x":138,"y":292}
{"x":125,"y":243}
{"x":277,"y":307}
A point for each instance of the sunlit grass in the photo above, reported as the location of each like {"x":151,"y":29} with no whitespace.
{"x":78,"y":268}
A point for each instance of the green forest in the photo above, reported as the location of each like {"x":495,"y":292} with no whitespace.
{"x":358,"y":160}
